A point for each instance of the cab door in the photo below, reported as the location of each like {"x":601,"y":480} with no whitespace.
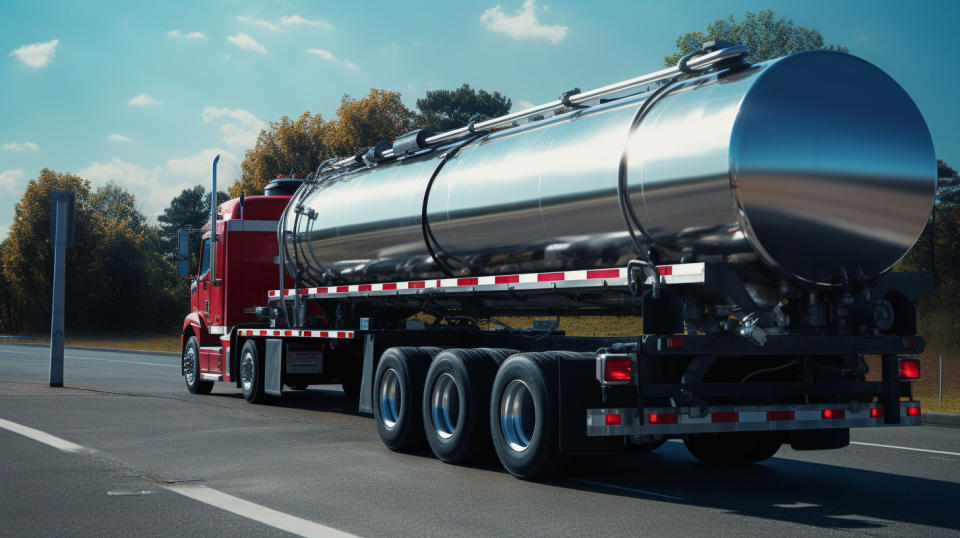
{"x":200,"y":292}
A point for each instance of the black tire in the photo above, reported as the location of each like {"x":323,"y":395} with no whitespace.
{"x":456,"y":403}
{"x":251,"y":372}
{"x":734,"y":448}
{"x":643,"y":446}
{"x":526,"y":435}
{"x":397,"y":394}
{"x":191,"y":368}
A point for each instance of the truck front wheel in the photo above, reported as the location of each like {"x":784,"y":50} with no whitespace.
{"x":251,"y":372}
{"x":734,"y":448}
{"x":191,"y":368}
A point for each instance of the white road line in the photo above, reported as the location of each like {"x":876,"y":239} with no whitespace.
{"x":215,"y":498}
{"x":624,"y":488}
{"x":908,"y":448}
{"x":43,"y":437}
{"x":74,"y":358}
{"x":255,"y":512}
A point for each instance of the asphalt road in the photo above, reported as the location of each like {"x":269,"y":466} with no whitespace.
{"x":156,"y":460}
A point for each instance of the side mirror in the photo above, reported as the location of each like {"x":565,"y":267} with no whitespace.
{"x":183,"y":254}
{"x":183,"y":244}
{"x":183,"y":269}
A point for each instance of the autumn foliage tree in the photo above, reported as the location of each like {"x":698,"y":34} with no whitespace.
{"x":300,"y":145}
{"x":116,"y":277}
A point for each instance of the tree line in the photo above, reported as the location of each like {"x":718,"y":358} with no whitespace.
{"x":121,"y":274}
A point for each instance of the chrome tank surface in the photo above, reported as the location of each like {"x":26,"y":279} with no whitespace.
{"x":815,"y":167}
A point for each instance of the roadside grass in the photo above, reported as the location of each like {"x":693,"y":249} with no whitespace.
{"x":133,"y":341}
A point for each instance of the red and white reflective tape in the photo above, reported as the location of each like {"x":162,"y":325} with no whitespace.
{"x":295,"y":333}
{"x":687,"y":273}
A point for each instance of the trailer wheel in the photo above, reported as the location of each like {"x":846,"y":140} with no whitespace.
{"x":251,"y":372}
{"x":524,"y":415}
{"x":734,"y":448}
{"x":191,"y":368}
{"x":456,"y":403}
{"x":398,"y":390}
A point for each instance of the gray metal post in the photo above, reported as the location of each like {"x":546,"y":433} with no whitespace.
{"x":56,"y":323}
{"x":940,"y":389}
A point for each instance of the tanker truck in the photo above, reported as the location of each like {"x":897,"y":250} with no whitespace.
{"x":746,"y":215}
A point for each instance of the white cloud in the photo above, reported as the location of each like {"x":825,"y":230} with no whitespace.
{"x":523,"y":24}
{"x":143,"y":100}
{"x":4,"y":231}
{"x":36,"y":55}
{"x":522,"y":105}
{"x":246,"y":42}
{"x":200,"y":165}
{"x":259,"y":22}
{"x":118,"y":138}
{"x":16,"y":146}
{"x":327,"y":55}
{"x":155,"y":187}
{"x":8,"y":181}
{"x":297,"y":20}
{"x":192,"y":35}
{"x":241,"y":128}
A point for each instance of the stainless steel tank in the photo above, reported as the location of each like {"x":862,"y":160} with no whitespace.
{"x":809,"y":167}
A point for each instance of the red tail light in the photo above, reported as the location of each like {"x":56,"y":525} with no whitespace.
{"x":832,"y":414}
{"x":617,"y":370}
{"x":614,"y":420}
{"x":675,"y":342}
{"x":663,"y":418}
{"x":909,"y":368}
{"x":876,"y":412}
{"x":913,"y":411}
{"x":724,"y":416}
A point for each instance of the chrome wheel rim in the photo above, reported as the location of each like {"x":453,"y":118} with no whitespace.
{"x":391,"y":398}
{"x":190,"y":365}
{"x":518,"y":415}
{"x":445,"y":405}
{"x":247,"y":370}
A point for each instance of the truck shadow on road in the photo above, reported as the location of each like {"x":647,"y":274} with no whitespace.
{"x":781,"y":489}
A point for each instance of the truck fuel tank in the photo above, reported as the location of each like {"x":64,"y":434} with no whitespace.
{"x":816,"y":167}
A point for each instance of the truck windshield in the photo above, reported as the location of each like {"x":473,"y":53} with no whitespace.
{"x":204,"y":258}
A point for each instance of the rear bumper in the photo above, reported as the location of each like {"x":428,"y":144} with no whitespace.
{"x":686,"y":420}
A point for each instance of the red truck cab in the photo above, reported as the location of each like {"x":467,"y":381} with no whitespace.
{"x":226,"y":295}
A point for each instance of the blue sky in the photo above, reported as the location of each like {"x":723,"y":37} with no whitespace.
{"x":144,"y":94}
